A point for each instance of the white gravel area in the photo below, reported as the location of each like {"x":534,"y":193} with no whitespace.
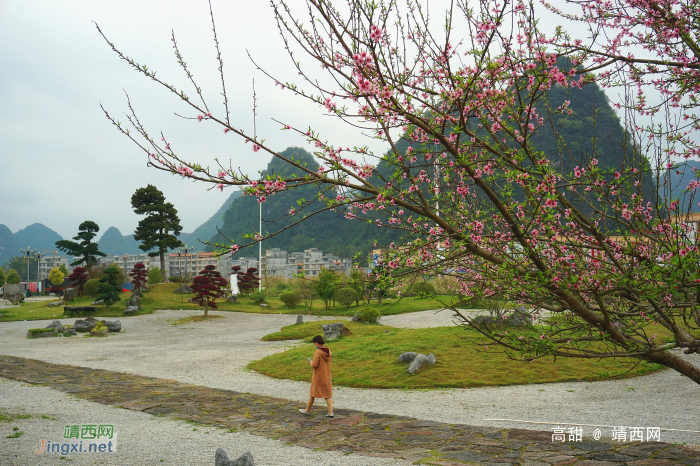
{"x":141,"y":439}
{"x":215,"y":354}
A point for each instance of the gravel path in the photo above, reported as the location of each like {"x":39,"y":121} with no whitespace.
{"x":142,"y":439}
{"x":215,"y":354}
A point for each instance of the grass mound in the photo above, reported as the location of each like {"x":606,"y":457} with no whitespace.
{"x":190,"y":319}
{"x":368,"y":359}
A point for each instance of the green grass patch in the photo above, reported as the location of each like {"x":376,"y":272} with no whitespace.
{"x":190,"y":319}
{"x":161,"y":297}
{"x":307,"y":330}
{"x":368,"y":359}
{"x":6,"y":417}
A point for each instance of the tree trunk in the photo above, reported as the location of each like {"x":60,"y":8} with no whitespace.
{"x":163,"y":272}
{"x":676,"y":363}
{"x":205,"y":308}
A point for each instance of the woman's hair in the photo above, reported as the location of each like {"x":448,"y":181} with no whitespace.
{"x":318,"y":339}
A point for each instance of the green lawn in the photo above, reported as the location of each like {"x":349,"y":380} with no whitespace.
{"x":368,"y":359}
{"x":162,"y":297}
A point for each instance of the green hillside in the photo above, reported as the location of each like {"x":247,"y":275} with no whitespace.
{"x":37,"y":236}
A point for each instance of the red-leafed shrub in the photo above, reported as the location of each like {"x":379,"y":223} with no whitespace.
{"x":209,"y":286}
{"x":248,"y":281}
{"x":78,"y":279}
{"x":139,"y":277}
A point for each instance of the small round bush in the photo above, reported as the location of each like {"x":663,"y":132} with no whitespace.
{"x":290,"y":298}
{"x":91,"y":287}
{"x":369,"y":315}
{"x":257,"y":297}
{"x":423,"y":289}
{"x":345,"y":296}
{"x":154,"y":276}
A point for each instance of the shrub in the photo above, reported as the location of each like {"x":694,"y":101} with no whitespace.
{"x":154,"y":276}
{"x":91,"y":287}
{"x":290,"y":298}
{"x":369,"y":315}
{"x":345,"y":296}
{"x":257,"y":297}
{"x":423,"y":289}
{"x":176,"y":279}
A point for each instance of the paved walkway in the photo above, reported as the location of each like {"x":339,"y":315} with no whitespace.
{"x":351,"y":431}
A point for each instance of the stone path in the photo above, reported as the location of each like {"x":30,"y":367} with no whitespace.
{"x":350,"y":431}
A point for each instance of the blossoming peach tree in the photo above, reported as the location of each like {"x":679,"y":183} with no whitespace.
{"x":605,"y":260}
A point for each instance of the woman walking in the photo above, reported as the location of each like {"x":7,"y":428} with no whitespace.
{"x":321,"y":384}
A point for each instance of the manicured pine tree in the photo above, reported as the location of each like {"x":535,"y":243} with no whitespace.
{"x":78,"y":279}
{"x":139,"y":277}
{"x":161,"y":226}
{"x":109,"y":286}
{"x":208,"y":285}
{"x":83,"y":246}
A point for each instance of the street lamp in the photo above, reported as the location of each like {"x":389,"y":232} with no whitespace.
{"x":38,"y":256}
{"x":29,"y":253}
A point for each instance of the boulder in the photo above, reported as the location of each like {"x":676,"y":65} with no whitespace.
{"x":55,"y":304}
{"x":331,"y":331}
{"x":134,"y":301}
{"x":183,"y":289}
{"x":263,"y":305}
{"x":14,"y":298}
{"x":346,"y":331}
{"x":85,"y":325}
{"x":97,"y":333}
{"x":47,"y":333}
{"x":300,"y":319}
{"x":432,"y":359}
{"x":483,"y":320}
{"x":232,"y":299}
{"x":519,"y":318}
{"x":420,"y":361}
{"x":70,"y":332}
{"x":407,"y":357}
{"x":56,"y":325}
{"x":98,"y":301}
{"x":130,"y":310}
{"x":221,"y":459}
{"x":355,"y":318}
{"x":115,"y":326}
{"x":69,"y":295}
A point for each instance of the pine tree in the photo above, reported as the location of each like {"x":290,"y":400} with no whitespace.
{"x":208,"y":285}
{"x":160,"y":228}
{"x":63,"y":269}
{"x":83,"y":245}
{"x":109,"y":286}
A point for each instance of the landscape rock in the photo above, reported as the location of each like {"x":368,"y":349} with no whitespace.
{"x":406,"y":358}
{"x":183,"y":289}
{"x":300,"y":319}
{"x":221,"y":459}
{"x":85,"y":325}
{"x":193,"y":301}
{"x":431,"y":358}
{"x":55,"y":304}
{"x":331,"y":331}
{"x":56,"y":325}
{"x":355,"y":318}
{"x":519,"y":318}
{"x":98,"y":301}
{"x":14,"y":298}
{"x":69,"y":295}
{"x":419,"y":361}
{"x":134,"y":301}
{"x":346,"y":331}
{"x":232,"y":299}
{"x":130,"y":310}
{"x":115,"y":326}
{"x":263,"y":305}
{"x":47,"y":333}
{"x":483,"y":320}
{"x":70,"y":332}
{"x":96,"y":333}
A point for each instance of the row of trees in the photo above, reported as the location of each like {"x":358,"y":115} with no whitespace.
{"x":465,"y":179}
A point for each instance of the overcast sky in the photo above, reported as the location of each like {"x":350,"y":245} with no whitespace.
{"x":61,"y":160}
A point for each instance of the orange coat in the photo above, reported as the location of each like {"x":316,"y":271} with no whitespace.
{"x":321,"y":383}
